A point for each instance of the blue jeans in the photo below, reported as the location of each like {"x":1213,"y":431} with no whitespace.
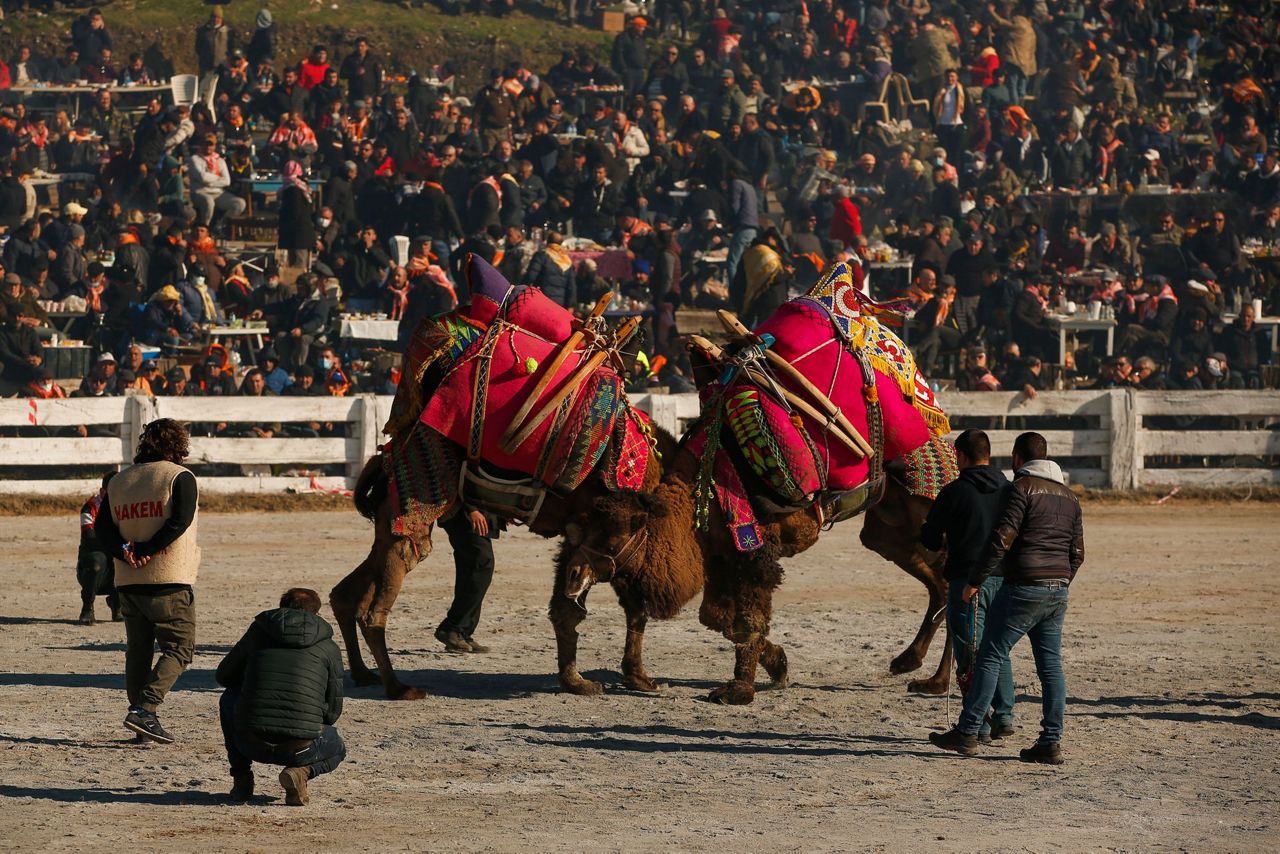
{"x":323,"y":754}
{"x":1038,"y":613}
{"x":961,"y":617}
{"x":739,"y":244}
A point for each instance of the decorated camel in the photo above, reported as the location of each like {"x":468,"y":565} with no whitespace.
{"x":816,"y":416}
{"x":508,"y":404}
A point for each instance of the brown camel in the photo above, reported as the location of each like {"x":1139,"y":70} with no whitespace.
{"x":365,"y":597}
{"x":642,"y":545}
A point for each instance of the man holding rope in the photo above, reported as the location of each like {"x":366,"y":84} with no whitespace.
{"x":962,"y":519}
{"x":1040,"y":539}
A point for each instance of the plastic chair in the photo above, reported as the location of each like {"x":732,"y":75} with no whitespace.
{"x":881,"y":103}
{"x":906,"y":101}
{"x":185,"y":89}
{"x":211,"y":91}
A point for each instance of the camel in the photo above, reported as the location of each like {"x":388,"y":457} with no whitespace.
{"x":364,"y":598}
{"x":655,"y":549}
{"x":647,"y":548}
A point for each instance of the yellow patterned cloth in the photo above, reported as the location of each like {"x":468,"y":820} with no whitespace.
{"x":855,"y":316}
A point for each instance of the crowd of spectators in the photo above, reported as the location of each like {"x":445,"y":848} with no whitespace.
{"x":731,"y":149}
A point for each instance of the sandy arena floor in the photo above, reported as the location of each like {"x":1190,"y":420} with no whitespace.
{"x":1173,"y":734}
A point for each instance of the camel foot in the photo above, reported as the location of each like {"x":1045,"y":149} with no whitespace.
{"x":405,"y":692}
{"x":776,"y":684}
{"x":640,"y":683}
{"x":735,"y":693}
{"x":365,"y":677}
{"x":581,"y":687}
{"x":905,"y":663}
{"x":933,"y":687}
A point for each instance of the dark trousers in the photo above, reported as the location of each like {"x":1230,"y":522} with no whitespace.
{"x":320,"y":755}
{"x":167,"y":621}
{"x":97,"y":576}
{"x":473,"y":572}
{"x":935,"y":340}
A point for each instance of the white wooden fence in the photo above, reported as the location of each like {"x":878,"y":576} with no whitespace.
{"x":1102,"y":441}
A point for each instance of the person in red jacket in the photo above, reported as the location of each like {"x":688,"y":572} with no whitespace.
{"x":311,"y":70}
{"x":982,"y":72}
{"x":846,"y":222}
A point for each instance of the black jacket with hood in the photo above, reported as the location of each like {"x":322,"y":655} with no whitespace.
{"x":289,"y":673}
{"x":965,"y":513}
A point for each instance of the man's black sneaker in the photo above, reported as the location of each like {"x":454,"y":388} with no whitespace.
{"x":476,"y":647}
{"x":242,"y":787}
{"x":1044,"y":754}
{"x":453,"y":641}
{"x":1001,"y":730}
{"x":86,"y":615}
{"x":147,"y":724}
{"x":954,"y":739}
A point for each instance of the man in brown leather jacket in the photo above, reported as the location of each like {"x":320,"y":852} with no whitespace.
{"x":1039,"y":539}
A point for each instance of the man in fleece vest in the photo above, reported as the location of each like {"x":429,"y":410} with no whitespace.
{"x":151,"y":535}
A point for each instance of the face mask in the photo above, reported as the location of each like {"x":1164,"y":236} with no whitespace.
{"x":326,"y":363}
{"x":322,"y":222}
{"x":47,"y":385}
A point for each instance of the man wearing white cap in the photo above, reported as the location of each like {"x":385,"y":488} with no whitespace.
{"x":58,"y":231}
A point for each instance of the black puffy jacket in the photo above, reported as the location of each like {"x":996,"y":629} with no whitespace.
{"x":1039,"y":533}
{"x":289,"y":673}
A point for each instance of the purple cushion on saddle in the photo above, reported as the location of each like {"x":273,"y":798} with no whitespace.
{"x":525,"y":307}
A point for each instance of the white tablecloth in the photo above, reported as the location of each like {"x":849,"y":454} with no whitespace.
{"x":370,"y":330}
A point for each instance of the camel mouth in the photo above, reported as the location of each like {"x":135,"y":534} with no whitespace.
{"x":579,"y":579}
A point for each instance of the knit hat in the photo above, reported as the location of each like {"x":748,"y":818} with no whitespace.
{"x":76,"y":231}
{"x":167,"y":294}
{"x":264,"y":18}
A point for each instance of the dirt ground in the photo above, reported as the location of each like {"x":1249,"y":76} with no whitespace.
{"x":1173,"y":726}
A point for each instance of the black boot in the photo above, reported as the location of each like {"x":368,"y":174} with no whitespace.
{"x":1043,"y":754}
{"x":242,"y":787}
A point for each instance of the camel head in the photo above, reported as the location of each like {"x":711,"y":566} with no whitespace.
{"x":609,"y":538}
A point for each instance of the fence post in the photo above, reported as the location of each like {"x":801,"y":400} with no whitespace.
{"x":138,"y":412}
{"x":1123,"y":426}
{"x":368,"y":429}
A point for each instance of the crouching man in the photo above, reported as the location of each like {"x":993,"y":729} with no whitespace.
{"x":284,"y":693}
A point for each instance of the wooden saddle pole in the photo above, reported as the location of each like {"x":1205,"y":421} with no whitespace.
{"x":625,"y":330}
{"x":824,"y":403}
{"x":794,"y":399}
{"x":549,"y":370}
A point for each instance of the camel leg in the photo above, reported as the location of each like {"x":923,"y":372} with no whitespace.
{"x":633,"y":672}
{"x":742,"y":689}
{"x":742,"y":616}
{"x":897,"y":544}
{"x":774,"y":659}
{"x":352,"y":596}
{"x":565,"y":617}
{"x":401,"y":558}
